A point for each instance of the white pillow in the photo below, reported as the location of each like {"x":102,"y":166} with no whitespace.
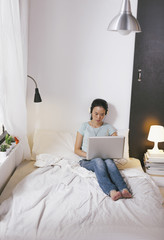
{"x":53,"y":142}
{"x":125,"y":133}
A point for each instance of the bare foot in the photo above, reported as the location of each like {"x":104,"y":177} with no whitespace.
{"x":126,"y":194}
{"x":115,"y":195}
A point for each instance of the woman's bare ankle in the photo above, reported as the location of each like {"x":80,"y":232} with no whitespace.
{"x":125,"y":193}
{"x":115,"y":195}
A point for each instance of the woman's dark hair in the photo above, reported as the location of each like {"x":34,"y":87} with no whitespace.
{"x":99,"y":103}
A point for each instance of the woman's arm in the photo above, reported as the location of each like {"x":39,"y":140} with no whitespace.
{"x":78,"y":143}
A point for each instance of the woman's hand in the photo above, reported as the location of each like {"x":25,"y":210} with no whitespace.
{"x":114,"y":134}
{"x":78,"y":144}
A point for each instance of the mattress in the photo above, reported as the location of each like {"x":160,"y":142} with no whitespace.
{"x":54,"y":198}
{"x":64,"y":201}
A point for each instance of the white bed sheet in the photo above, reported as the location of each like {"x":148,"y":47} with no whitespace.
{"x":64,"y":201}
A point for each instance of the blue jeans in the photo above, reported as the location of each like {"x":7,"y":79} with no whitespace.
{"x":107,"y":173}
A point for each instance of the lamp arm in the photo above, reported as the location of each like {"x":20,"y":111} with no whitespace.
{"x":33,"y":80}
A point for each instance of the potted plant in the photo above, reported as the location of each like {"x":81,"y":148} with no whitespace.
{"x":3,"y":151}
{"x":10,"y":141}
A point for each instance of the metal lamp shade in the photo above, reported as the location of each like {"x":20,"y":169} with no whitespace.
{"x":37,"y":97}
{"x":124,"y":22}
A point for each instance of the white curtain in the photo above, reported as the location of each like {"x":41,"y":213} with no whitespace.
{"x":13,"y":69}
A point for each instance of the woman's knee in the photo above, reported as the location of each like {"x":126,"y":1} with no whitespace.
{"x":110,"y":163}
{"x":98,"y":163}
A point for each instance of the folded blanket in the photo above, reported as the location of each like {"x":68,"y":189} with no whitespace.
{"x":45,"y":160}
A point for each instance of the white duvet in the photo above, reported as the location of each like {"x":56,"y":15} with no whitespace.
{"x":63,"y":201}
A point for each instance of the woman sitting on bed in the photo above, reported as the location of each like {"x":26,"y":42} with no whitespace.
{"x":107,"y":173}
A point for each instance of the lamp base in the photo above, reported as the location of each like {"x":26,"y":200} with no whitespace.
{"x":152,"y":153}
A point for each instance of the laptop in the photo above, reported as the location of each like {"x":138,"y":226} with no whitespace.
{"x":105,"y":147}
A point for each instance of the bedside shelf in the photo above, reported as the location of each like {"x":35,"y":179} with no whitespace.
{"x":9,"y":164}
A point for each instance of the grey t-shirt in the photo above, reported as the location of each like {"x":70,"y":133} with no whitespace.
{"x":88,"y":131}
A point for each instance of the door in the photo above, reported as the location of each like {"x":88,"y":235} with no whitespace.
{"x":147,"y":99}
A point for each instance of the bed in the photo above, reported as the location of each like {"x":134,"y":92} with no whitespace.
{"x":52,"y":198}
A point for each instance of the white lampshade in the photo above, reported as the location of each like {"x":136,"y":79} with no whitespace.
{"x":156,"y":133}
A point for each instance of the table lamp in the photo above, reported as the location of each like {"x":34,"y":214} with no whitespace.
{"x":156,"y":135}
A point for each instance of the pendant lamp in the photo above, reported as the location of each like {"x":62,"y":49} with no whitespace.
{"x":125,"y":22}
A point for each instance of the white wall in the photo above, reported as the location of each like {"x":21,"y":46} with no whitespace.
{"x":75,"y":60}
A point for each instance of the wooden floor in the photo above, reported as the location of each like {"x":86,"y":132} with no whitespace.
{"x":162,"y":193}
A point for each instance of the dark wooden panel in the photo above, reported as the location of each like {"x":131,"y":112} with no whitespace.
{"x":147,"y":101}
